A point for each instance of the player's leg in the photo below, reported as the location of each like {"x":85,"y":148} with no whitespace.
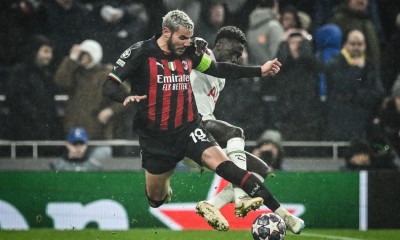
{"x":200,"y":144}
{"x":255,"y":188}
{"x":158,"y":190}
{"x":159,"y":162}
{"x":257,"y":166}
{"x":233,"y":137}
{"x":213,"y":159}
{"x":202,"y":148}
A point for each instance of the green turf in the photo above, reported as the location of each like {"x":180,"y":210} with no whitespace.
{"x":162,"y":234}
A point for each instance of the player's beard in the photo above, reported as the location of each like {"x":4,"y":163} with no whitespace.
{"x":172,"y":47}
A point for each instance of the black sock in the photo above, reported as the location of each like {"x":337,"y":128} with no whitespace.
{"x":248,"y":182}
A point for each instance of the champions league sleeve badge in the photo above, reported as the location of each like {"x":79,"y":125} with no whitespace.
{"x":126,"y":54}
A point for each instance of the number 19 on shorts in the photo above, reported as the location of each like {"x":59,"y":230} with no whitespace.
{"x":199,"y":135}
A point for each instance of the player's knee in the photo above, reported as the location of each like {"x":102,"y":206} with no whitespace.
{"x":235,"y":132}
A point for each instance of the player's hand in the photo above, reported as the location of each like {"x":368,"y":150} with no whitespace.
{"x":200,"y":45}
{"x":135,"y":98}
{"x":271,"y":68}
{"x":105,"y":115}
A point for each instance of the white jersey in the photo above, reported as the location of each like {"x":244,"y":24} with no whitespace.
{"x":206,"y":91}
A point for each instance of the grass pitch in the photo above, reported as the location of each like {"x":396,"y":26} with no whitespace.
{"x":164,"y":234}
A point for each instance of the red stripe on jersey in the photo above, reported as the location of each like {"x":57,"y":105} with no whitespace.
{"x":166,"y":102}
{"x":180,"y":99}
{"x":190,"y":94}
{"x":152,"y":89}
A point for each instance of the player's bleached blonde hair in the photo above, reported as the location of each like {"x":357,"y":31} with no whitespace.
{"x":175,"y":18}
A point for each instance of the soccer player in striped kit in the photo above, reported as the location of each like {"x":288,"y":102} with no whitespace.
{"x":167,"y":119}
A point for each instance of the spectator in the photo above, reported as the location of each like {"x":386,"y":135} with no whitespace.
{"x":328,"y":43}
{"x":82,"y":75}
{"x":67,"y":20}
{"x":391,"y":57}
{"x":117,"y":26}
{"x":214,"y":15}
{"x":377,"y":10}
{"x":297,"y":92}
{"x":353,"y":14}
{"x":77,"y":156}
{"x":31,"y":94}
{"x":265,"y":32}
{"x":190,"y":7}
{"x":354,"y":90}
{"x":19,"y":21}
{"x":264,"y":37}
{"x":289,"y":18}
{"x":389,"y":117}
{"x":365,"y":155}
{"x":269,"y":148}
{"x":357,"y":156}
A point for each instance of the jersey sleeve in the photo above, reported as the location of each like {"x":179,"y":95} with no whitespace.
{"x":127,"y":63}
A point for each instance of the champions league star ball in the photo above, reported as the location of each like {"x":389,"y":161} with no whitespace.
{"x":268,"y":226}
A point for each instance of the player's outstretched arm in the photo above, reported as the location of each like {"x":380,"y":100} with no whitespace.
{"x":229,"y":70}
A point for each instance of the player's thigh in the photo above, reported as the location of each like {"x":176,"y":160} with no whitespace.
{"x":157,"y":184}
{"x":197,"y":141}
{"x":222,"y":131}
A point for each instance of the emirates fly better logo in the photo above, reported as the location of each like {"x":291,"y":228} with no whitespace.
{"x":182,"y":216}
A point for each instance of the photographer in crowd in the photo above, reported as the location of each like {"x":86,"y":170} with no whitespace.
{"x":269,"y":148}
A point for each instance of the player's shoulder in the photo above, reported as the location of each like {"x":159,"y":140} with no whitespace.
{"x":132,"y":51}
{"x":139,"y":49}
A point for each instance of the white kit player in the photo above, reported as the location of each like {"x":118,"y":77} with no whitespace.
{"x":229,"y":45}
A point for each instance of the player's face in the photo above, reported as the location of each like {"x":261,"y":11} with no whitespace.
{"x":44,"y":56}
{"x":179,"y":40}
{"x":229,"y":51}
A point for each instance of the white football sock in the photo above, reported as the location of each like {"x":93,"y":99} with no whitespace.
{"x":222,"y":198}
{"x":235,"y":152}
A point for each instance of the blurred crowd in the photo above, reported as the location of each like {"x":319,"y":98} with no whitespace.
{"x":339,"y":81}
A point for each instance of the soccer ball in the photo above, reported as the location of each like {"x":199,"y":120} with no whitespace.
{"x":268,"y":226}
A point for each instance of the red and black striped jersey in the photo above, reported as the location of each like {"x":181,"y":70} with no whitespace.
{"x":165,"y":79}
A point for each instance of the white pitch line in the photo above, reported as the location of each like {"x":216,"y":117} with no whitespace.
{"x":313,"y":235}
